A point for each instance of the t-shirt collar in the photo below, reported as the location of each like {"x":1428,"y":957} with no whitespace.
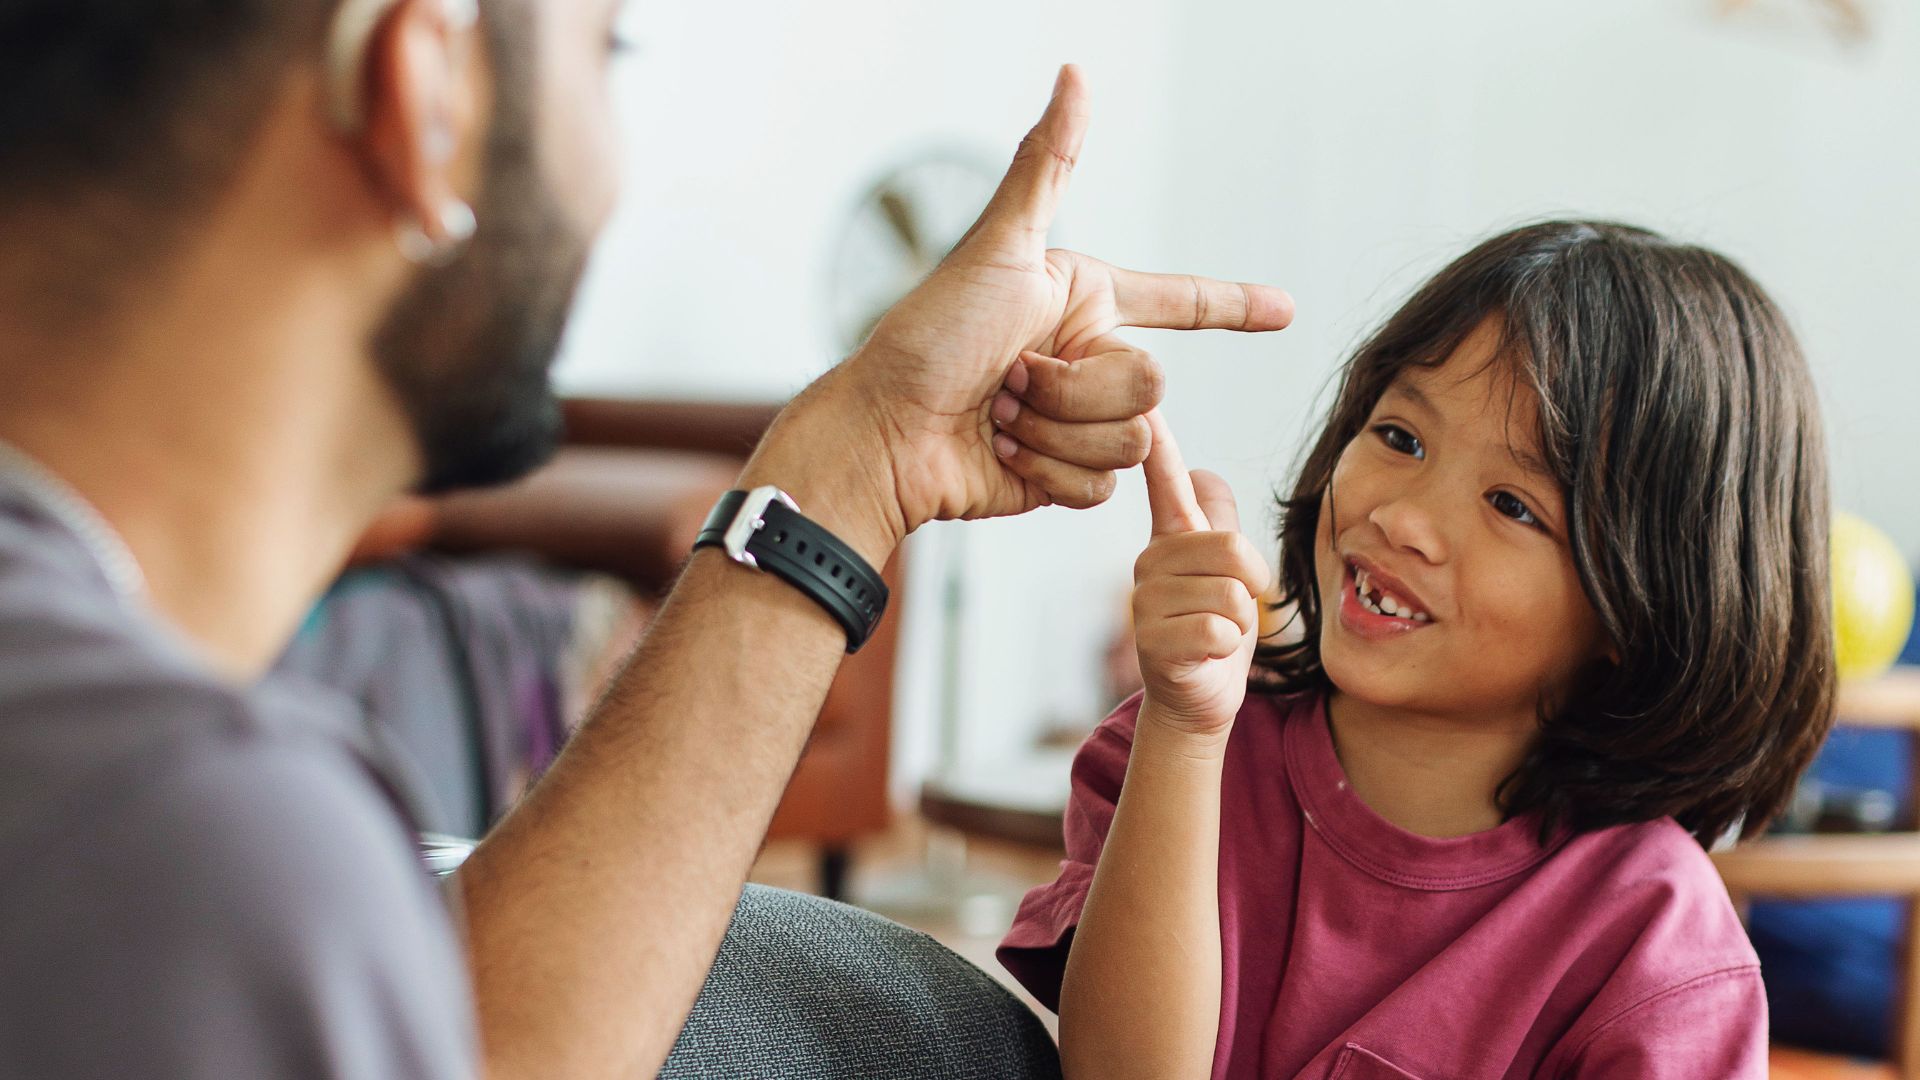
{"x":1383,"y":849}
{"x":59,"y":501}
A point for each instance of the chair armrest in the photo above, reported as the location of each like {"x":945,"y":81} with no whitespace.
{"x":707,"y":426}
{"x":808,"y":989}
{"x":628,"y":512}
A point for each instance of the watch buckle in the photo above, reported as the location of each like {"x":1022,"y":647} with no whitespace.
{"x":751,"y":519}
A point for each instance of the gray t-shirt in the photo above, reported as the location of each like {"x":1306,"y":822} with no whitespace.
{"x":196,"y":879}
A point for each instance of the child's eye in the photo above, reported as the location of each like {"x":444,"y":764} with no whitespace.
{"x":1505,"y":503}
{"x":1400,"y":440}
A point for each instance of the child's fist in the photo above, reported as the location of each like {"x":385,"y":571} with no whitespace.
{"x":1196,"y":608}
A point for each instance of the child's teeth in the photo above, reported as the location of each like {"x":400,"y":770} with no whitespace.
{"x":1387,"y":604}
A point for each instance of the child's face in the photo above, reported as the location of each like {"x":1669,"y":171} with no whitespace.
{"x":1442,"y":515}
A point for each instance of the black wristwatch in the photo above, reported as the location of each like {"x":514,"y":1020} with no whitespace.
{"x":763,"y":529}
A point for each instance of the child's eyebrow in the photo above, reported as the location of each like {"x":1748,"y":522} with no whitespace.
{"x":1532,"y":463}
{"x":1411,"y":392}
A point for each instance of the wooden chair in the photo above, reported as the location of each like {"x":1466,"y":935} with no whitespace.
{"x":1838,"y":865}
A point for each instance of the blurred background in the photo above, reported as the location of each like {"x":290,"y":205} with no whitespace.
{"x":794,"y":168}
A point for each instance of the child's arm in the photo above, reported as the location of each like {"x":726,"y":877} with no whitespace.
{"x":1142,"y":991}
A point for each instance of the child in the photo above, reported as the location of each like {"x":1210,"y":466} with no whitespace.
{"x":1559,"y":566}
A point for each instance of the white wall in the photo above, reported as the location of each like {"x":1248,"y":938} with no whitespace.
{"x":1341,"y":150}
{"x":754,"y":126}
{"x":1386,"y":137}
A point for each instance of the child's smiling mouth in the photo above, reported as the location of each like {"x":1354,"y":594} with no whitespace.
{"x":1374,"y":605}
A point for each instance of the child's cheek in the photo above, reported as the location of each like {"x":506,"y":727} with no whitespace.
{"x":1341,"y":492}
{"x":1326,"y":564}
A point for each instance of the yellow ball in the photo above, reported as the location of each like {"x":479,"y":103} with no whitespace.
{"x":1872,"y":599}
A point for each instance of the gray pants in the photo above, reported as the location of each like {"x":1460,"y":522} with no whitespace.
{"x":808,"y":989}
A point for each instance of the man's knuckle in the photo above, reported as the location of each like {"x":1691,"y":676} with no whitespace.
{"x":1046,"y":389}
{"x":1027,"y":428}
{"x":1036,"y":148}
{"x":1149,"y":384}
{"x":1067,"y":393}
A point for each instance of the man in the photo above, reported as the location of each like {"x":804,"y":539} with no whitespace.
{"x":264,"y":264}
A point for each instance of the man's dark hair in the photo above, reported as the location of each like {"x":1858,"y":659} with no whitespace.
{"x":1678,"y":416}
{"x":148,"y":100}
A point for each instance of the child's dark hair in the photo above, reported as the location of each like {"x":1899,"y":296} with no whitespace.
{"x":1677,"y":414}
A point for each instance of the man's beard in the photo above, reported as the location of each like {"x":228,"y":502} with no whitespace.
{"x":469,"y":348}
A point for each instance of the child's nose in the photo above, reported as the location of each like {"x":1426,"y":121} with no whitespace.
{"x":1410,"y":527}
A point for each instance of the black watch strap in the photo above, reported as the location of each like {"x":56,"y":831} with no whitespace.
{"x":763,"y":529}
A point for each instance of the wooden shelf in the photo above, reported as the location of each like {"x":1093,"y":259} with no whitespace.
{"x":1883,"y":864}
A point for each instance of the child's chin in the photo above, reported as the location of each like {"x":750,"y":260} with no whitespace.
{"x":1370,"y":680}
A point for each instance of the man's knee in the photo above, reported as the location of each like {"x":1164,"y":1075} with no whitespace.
{"x":805,"y":987}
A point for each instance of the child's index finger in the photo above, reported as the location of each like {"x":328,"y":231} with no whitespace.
{"x":1169,"y":488}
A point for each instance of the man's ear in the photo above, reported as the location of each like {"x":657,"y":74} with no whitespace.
{"x":420,"y":131}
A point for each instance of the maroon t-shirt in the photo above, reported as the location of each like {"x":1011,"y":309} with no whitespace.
{"x":1353,"y":949}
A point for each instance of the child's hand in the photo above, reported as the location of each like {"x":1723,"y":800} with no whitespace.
{"x":1196,"y":612}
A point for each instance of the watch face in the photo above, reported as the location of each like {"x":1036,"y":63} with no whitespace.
{"x":898,"y":233}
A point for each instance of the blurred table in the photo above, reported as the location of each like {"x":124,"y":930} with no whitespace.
{"x":1021,"y":799}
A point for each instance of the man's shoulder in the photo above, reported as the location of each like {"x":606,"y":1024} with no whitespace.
{"x":127,"y":762}
{"x":100,"y":703}
{"x":188,"y":855}
{"x":115,"y":739}
{"x":248,"y":824}
{"x":242,"y":907}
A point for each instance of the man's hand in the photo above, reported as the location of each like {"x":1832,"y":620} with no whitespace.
{"x":998,"y":386}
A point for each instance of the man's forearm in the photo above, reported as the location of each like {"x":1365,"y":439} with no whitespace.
{"x":596,"y":908}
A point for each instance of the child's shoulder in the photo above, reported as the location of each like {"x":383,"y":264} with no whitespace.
{"x":1646,"y":906}
{"x":1657,"y":857}
{"x":1652,"y":890}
